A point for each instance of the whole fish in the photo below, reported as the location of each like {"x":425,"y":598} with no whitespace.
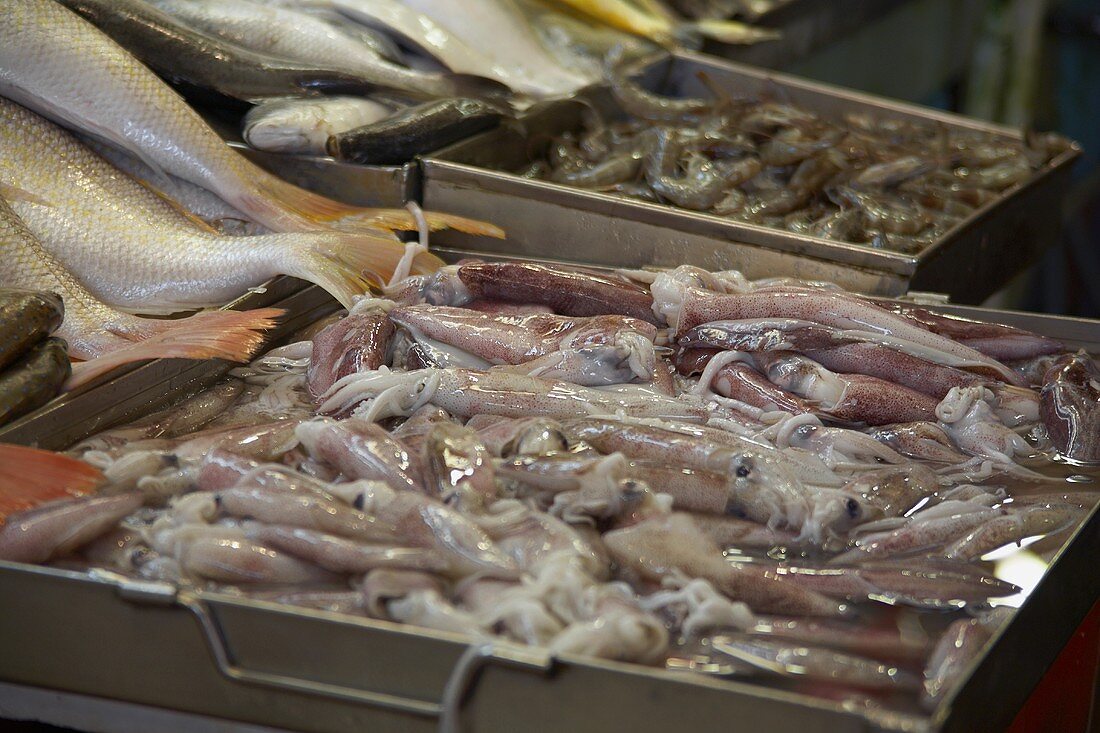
{"x":100,"y":224}
{"x":439,"y":42}
{"x":190,"y":57}
{"x":299,"y":37}
{"x":34,"y":379}
{"x":94,"y":329}
{"x":26,"y":316}
{"x":505,"y":35}
{"x":413,"y":131}
{"x":305,"y":125}
{"x":57,"y":63}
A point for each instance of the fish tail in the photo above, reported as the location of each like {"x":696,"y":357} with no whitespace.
{"x":348,"y":265}
{"x":733,"y":32}
{"x":285,"y":207}
{"x":29,"y":477}
{"x":402,"y":220}
{"x":230,"y":335}
{"x":282,"y":206}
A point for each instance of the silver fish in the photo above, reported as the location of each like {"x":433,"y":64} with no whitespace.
{"x":304,"y":125}
{"x":91,"y":328}
{"x":60,"y":65}
{"x":301,"y":37}
{"x":459,"y":53}
{"x":99,"y":224}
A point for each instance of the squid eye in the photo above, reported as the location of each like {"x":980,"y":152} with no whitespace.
{"x":359,"y":501}
{"x":853,"y":508}
{"x":743,"y":471}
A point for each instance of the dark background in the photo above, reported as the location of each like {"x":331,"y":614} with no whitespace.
{"x":1025,"y":63}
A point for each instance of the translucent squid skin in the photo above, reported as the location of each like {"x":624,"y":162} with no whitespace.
{"x":568,"y":291}
{"x":1070,"y":406}
{"x":597,"y":474}
{"x":356,"y":343}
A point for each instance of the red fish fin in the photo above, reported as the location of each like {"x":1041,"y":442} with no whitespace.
{"x":229,"y":335}
{"x":29,"y":477}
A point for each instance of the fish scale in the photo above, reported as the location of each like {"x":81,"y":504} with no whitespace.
{"x":58,"y":64}
{"x":137,"y":251}
{"x":25,"y":261}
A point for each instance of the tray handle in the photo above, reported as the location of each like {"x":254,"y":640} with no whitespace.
{"x":459,"y":688}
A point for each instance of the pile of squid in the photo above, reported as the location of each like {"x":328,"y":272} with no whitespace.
{"x":678,"y":468}
{"x":890,"y":184}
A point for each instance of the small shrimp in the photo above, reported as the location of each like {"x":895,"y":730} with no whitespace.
{"x":891,"y":214}
{"x":645,"y":104}
{"x":613,"y":169}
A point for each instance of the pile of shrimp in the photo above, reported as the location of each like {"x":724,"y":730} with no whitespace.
{"x":890,"y":184}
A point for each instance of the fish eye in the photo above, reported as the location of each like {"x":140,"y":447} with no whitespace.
{"x":360,"y":501}
{"x":853,"y":508}
{"x":743,"y":471}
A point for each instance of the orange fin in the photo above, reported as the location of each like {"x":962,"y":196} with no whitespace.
{"x":195,"y":219}
{"x":403,"y":220}
{"x":29,"y":477}
{"x":229,"y":335}
{"x":305,"y":205}
{"x":282,"y":206}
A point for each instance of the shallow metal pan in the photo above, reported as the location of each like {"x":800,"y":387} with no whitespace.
{"x":972,"y":260}
{"x":386,"y":186}
{"x":243,"y":660}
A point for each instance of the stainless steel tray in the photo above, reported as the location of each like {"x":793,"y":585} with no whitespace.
{"x":130,"y":392}
{"x":227,"y":657}
{"x":386,"y":186}
{"x":545,"y":219}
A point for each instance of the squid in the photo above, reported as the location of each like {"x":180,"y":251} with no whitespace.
{"x":685,"y":308}
{"x":466,"y":393}
{"x":358,"y":342}
{"x":664,"y":546}
{"x":852,"y":398}
{"x":1070,"y":405}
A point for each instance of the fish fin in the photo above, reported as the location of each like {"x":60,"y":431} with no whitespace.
{"x":230,"y":335}
{"x":403,"y":220}
{"x":29,"y":477}
{"x":14,"y":193}
{"x":274,"y":195}
{"x":348,"y":265}
{"x":275,"y":198}
{"x":195,"y":219}
{"x":734,"y":32}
